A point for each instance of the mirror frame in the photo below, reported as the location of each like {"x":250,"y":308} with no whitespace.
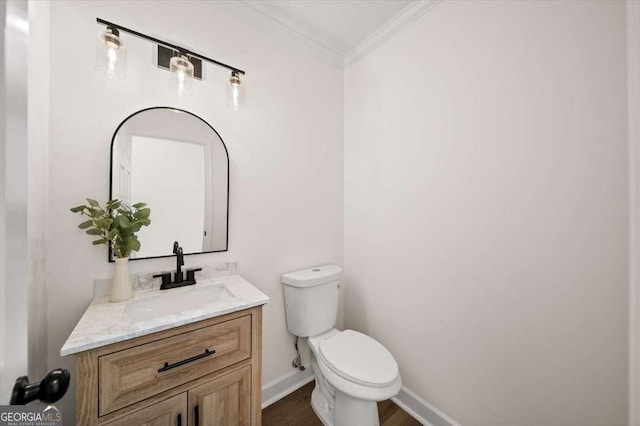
{"x":110,"y":257}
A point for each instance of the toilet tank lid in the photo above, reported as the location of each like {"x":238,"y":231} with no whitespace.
{"x":313,"y":276}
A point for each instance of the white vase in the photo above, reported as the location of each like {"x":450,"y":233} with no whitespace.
{"x":121,"y":287}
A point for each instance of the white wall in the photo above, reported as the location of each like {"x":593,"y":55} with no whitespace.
{"x":486,"y":209}
{"x":285,"y":152}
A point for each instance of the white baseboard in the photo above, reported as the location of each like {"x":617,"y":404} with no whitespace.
{"x":282,"y":386}
{"x":421,"y":410}
{"x":417,"y":407}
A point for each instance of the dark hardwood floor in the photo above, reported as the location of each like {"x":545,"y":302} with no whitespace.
{"x":295,"y":410}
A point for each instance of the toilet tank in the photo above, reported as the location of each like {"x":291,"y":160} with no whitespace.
{"x":311,"y":299}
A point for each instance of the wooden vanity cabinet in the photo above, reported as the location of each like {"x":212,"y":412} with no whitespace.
{"x":206,"y":373}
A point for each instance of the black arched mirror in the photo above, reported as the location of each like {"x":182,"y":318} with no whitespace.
{"x":178,"y":164}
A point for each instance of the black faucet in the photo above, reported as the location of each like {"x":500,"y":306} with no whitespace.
{"x":177,"y":250}
{"x":179,"y":280}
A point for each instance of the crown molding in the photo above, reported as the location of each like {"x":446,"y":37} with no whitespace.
{"x":393,"y":26}
{"x":258,"y":15}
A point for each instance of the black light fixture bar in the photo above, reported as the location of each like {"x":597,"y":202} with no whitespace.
{"x":169,"y":45}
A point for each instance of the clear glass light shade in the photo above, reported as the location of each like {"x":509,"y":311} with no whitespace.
{"x":111,"y":54}
{"x":181,"y":76}
{"x":235,"y":92}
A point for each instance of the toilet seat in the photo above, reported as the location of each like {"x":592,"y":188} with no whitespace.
{"x":359,"y":358}
{"x":347,"y":385}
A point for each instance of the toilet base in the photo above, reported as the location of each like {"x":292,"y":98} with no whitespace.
{"x":321,"y":407}
{"x":351,"y":411}
{"x":348,"y":411}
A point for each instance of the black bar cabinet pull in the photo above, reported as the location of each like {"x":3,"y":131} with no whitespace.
{"x":168,"y":366}
{"x":196,"y":413}
{"x":179,"y":420}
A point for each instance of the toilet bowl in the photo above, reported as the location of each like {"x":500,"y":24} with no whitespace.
{"x":352,"y":370}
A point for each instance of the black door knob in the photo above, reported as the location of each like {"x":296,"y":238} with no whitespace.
{"x":49,"y":390}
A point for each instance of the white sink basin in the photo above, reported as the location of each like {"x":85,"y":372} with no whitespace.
{"x":177,"y":300}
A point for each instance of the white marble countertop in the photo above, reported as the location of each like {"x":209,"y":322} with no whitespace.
{"x":104,"y":323}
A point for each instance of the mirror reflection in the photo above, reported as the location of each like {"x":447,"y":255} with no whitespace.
{"x":176,"y":163}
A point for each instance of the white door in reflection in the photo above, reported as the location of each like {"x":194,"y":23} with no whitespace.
{"x":170,"y":177}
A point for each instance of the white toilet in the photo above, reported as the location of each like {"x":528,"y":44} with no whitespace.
{"x":352,"y":370}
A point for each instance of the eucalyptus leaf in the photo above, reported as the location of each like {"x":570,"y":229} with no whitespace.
{"x":103,"y":223}
{"x":94,"y":231}
{"x":85,"y":225}
{"x":123,"y":221}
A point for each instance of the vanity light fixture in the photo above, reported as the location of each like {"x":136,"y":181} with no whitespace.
{"x":111,"y":54}
{"x":235,"y":92}
{"x":112,"y":57}
{"x":181,"y":77}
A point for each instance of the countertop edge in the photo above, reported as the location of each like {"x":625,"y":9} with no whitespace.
{"x":97,"y":344}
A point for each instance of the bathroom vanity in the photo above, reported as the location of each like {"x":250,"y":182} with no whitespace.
{"x":188,"y":356}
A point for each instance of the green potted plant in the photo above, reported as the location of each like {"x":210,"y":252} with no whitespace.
{"x":116,"y":225}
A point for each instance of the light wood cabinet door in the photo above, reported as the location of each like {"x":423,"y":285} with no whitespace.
{"x":171,"y":412}
{"x":225,"y":401}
